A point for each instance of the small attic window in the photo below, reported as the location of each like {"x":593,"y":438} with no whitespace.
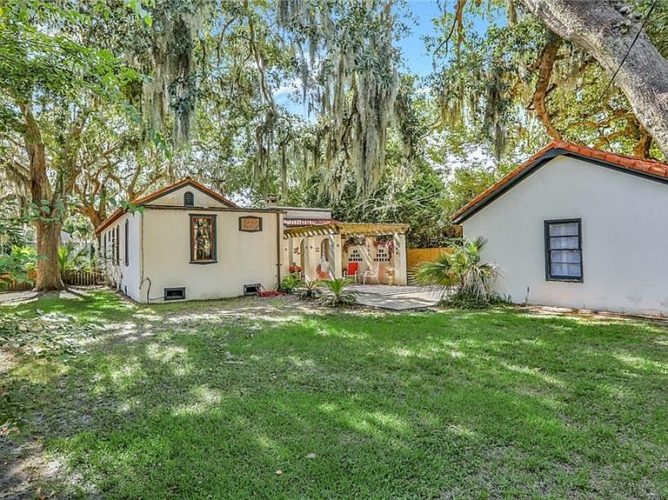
{"x":188,"y":199}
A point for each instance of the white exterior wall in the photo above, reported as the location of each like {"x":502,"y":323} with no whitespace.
{"x":242,"y":257}
{"x":175,"y":198}
{"x":122,"y":276}
{"x":624,"y":237}
{"x":131,"y":273}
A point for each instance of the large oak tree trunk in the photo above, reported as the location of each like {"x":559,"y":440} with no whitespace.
{"x":48,"y":239}
{"x":606,"y":32}
{"x":47,"y":226}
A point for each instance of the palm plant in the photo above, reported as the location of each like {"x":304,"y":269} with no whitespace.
{"x":462,"y":269}
{"x":337,"y":293}
{"x":308,"y":289}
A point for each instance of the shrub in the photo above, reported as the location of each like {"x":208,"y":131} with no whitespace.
{"x":462,"y":269}
{"x":15,"y":266}
{"x":308,"y":289}
{"x":337,"y":293}
{"x":290,"y":283}
{"x":71,"y":258}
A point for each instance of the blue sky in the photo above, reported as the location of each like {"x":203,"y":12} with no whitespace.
{"x":416,"y":58}
{"x":415,"y":54}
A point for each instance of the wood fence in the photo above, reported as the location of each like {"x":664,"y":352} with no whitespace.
{"x":83,"y":278}
{"x":416,"y":256}
{"x":71,"y":278}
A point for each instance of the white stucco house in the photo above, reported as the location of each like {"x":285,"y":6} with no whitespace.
{"x":187,"y":242}
{"x":578,"y":227}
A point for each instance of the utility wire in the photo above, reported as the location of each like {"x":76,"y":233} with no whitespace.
{"x":628,"y":51}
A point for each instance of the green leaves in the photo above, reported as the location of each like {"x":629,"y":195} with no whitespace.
{"x":336,"y":292}
{"x":290,"y":283}
{"x":16,"y":265}
{"x":138,"y":7}
{"x":131,"y":207}
{"x":46,"y":211}
{"x":461,"y":268}
{"x":42,"y":53}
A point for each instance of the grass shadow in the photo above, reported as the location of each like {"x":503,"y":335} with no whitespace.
{"x":214,"y":399}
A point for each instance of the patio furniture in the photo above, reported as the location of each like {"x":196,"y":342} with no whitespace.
{"x":352,"y":271}
{"x":372,"y":273}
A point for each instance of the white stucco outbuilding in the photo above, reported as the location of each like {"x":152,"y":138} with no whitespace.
{"x":578,"y":227}
{"x":187,"y":242}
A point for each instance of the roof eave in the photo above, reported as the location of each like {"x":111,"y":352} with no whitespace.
{"x":143,"y":200}
{"x":531,"y":165}
{"x":501,"y":186}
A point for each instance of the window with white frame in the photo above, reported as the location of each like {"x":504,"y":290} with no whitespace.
{"x":563,"y":250}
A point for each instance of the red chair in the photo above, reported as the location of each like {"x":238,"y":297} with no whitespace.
{"x":353,"y":270}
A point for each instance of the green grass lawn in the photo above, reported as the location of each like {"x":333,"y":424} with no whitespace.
{"x":245,"y":398}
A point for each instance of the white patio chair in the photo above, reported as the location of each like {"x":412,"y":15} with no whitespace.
{"x":371,"y":273}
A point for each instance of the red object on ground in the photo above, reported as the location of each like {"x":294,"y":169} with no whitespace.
{"x":270,"y":293}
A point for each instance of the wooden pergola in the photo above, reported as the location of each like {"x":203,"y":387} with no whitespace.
{"x":336,"y":233}
{"x":347,"y":229}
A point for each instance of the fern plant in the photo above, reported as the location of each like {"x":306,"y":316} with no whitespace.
{"x":337,"y":293}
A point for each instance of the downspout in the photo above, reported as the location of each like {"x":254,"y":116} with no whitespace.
{"x":279,"y":238}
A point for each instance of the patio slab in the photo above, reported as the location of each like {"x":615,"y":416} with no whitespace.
{"x":396,"y":298}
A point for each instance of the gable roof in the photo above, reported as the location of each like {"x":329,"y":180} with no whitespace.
{"x":188,"y":181}
{"x":646,"y":168}
{"x":142,"y":200}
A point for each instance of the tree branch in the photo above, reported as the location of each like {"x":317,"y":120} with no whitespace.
{"x":545,"y":65}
